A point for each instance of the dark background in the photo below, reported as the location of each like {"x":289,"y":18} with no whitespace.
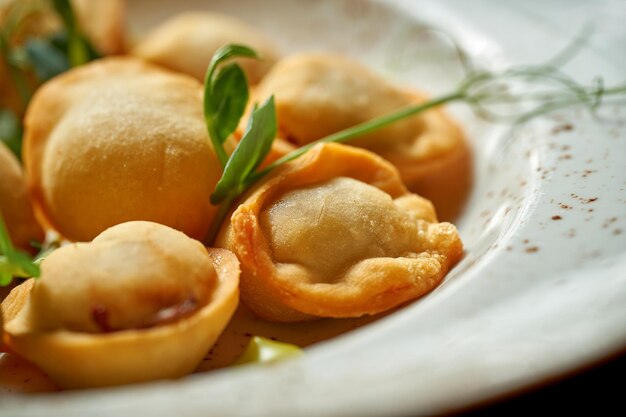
{"x":598,"y":390}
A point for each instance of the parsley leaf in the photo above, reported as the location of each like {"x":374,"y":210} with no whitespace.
{"x":225,"y":96}
{"x":47,"y":61}
{"x":14,"y":263}
{"x":250,"y":152}
{"x":228,"y":101}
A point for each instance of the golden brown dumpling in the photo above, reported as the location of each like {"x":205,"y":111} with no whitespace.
{"x":187,"y":42}
{"x":336,"y":234}
{"x":320,"y":94}
{"x":103,"y":22}
{"x":140,"y":302}
{"x":118,"y":140}
{"x":15,"y":204}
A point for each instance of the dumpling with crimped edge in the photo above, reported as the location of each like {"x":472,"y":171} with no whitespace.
{"x":15,"y":205}
{"x":118,"y":140}
{"x":187,"y":42}
{"x":336,"y":234}
{"x":140,"y":302}
{"x":318,"y":94}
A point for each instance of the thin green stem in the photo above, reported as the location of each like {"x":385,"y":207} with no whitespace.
{"x":359,"y":130}
{"x":6,"y":246}
{"x":222,"y":156}
{"x":545,"y":95}
{"x":78,"y":53}
{"x":573,"y":47}
{"x":220,"y":216}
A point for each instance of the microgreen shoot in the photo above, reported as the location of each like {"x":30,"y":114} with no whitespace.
{"x":13,"y":263}
{"x":531,"y":91}
{"x":225,"y":96}
{"x":248,"y":155}
{"x":43,"y":57}
{"x":79,"y":50}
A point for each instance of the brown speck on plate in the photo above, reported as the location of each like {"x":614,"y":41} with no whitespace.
{"x":562,"y":128}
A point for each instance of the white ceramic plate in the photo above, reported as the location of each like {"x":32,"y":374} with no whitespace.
{"x":542,"y":289}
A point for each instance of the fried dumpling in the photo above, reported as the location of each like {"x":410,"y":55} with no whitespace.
{"x":103,"y":22}
{"x":320,"y":94}
{"x":140,"y":302}
{"x":187,"y":42}
{"x":15,"y":205}
{"x":119,"y":140}
{"x":336,"y":234}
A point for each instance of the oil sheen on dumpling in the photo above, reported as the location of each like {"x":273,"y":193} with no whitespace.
{"x":119,"y":140}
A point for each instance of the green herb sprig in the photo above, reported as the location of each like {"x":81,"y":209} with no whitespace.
{"x":225,"y":100}
{"x":515,"y":95}
{"x":79,"y":49}
{"x":43,"y":57}
{"x":225,"y":96}
{"x":14,"y":263}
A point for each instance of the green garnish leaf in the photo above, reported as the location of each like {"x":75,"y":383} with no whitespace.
{"x":11,"y":131}
{"x":227,"y":52}
{"x":228,"y":100}
{"x":46,"y":60}
{"x":250,"y":152}
{"x":46,"y":57}
{"x":13,"y":263}
{"x":225,"y":96}
{"x":79,"y":49}
{"x":263,"y":350}
{"x":60,"y":40}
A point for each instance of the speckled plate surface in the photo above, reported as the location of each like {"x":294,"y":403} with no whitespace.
{"x":542,"y":288}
